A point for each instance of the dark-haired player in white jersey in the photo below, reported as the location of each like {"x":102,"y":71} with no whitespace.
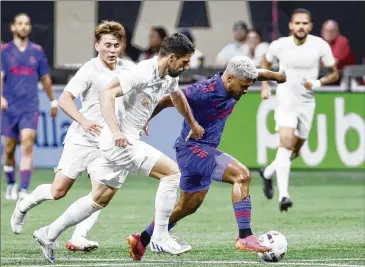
{"x":299,"y":56}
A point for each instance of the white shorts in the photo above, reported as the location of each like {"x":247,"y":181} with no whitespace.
{"x":76,"y":159}
{"x":300,"y":118}
{"x":116,"y":162}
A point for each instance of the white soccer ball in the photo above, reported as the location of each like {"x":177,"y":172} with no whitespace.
{"x":277,"y":242}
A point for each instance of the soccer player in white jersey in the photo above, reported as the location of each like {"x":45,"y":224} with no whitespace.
{"x":81,"y":145}
{"x":299,"y":56}
{"x":122,"y":151}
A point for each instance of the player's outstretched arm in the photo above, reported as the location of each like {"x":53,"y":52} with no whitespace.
{"x":107,"y":104}
{"x":47,"y":87}
{"x":266,"y":89}
{"x":267,"y":75}
{"x":181,"y":103}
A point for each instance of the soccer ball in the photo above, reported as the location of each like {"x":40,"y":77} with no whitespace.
{"x":278,"y":243}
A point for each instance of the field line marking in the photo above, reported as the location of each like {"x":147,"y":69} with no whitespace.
{"x":163,"y":262}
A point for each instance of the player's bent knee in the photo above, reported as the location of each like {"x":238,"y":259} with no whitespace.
{"x":102,"y":194}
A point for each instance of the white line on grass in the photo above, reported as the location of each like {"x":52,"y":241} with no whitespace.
{"x":98,"y":262}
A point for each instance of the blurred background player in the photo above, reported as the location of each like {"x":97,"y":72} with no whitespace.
{"x":200,"y":162}
{"x":299,"y":56}
{"x":23,"y":64}
{"x":81,"y":145}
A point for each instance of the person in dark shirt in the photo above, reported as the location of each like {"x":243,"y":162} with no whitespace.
{"x":23,"y":65}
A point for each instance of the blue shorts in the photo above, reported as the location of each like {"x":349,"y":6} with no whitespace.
{"x":13,"y":124}
{"x":200,"y":165}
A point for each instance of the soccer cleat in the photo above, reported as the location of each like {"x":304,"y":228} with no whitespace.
{"x":168,"y":245}
{"x":17,"y":219}
{"x":285,"y":203}
{"x":136,"y":248}
{"x":23,"y":193}
{"x":251,"y":243}
{"x":11,"y":192}
{"x":47,"y":246}
{"x":268,"y":189}
{"x":81,"y":244}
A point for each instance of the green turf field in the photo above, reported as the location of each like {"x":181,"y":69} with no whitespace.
{"x":326,"y":226}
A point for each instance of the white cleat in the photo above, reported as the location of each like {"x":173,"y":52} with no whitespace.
{"x":168,"y":245}
{"x":23,"y":193}
{"x":17,"y":219}
{"x":47,"y":246}
{"x":11,"y":192}
{"x":81,"y":244}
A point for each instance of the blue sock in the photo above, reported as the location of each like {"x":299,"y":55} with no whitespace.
{"x":242,"y":212}
{"x":150,"y":228}
{"x":9,"y":174}
{"x":25,"y":176}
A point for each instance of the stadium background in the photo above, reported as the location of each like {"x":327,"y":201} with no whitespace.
{"x":65,"y":31}
{"x":325,"y":226}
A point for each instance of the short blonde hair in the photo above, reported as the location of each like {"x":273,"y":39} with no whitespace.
{"x":109,"y":27}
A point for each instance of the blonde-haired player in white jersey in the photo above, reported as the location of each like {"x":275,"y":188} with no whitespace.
{"x":122,"y":151}
{"x":299,"y":56}
{"x":81,"y":145}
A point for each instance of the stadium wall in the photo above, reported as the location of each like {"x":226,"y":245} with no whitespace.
{"x":65,"y":28}
{"x":337,"y":139}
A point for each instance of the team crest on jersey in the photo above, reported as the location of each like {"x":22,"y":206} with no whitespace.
{"x":32,"y":60}
{"x":145,"y":101}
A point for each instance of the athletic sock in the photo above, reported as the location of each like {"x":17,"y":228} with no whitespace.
{"x":40,"y":193}
{"x":25,"y":176}
{"x":9,"y":174}
{"x":283,"y":164}
{"x":242,"y":211}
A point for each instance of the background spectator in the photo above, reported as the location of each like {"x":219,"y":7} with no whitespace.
{"x":340,"y":46}
{"x":234,"y":49}
{"x":197,"y":60}
{"x":255,"y":48}
{"x":131,"y":50}
{"x":155,"y":39}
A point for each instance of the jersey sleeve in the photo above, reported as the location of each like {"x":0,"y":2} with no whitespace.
{"x":4,"y":63}
{"x":327,"y":57}
{"x":43,"y":64}
{"x":174,"y":86}
{"x":80,"y":82}
{"x":273,"y":51}
{"x":192,"y":94}
{"x":136,"y":79}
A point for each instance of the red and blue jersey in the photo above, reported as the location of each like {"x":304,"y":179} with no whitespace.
{"x":211,"y":106}
{"x":23,"y":70}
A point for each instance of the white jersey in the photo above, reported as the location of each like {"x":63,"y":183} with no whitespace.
{"x":144,"y":89}
{"x":300,"y":63}
{"x":89,"y":80}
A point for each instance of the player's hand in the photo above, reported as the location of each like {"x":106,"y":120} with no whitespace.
{"x":196,"y":132}
{"x":120,"y":140}
{"x":312,"y":84}
{"x":145,"y":130}
{"x":4,"y":103}
{"x":91,"y":127}
{"x":265,"y":92}
{"x":54,"y":112}
{"x":282,"y":77}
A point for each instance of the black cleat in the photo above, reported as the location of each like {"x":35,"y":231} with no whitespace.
{"x":284,"y":204}
{"x":268,"y":189}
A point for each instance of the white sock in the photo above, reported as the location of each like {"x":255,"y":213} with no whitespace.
{"x":283,"y":164}
{"x":40,"y":193}
{"x":77,"y":212}
{"x":164,"y":204}
{"x":270,"y":170}
{"x":85,"y":226}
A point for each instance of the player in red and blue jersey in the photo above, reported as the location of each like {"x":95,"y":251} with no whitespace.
{"x":23,"y":64}
{"x":200,"y":162}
